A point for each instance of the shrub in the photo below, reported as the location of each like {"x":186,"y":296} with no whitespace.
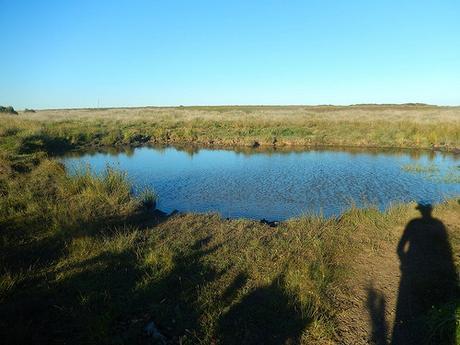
{"x":8,"y":110}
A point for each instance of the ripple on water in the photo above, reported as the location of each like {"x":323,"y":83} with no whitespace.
{"x":278,"y":185}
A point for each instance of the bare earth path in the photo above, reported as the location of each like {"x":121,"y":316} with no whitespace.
{"x":375,"y":279}
{"x":368,"y":310}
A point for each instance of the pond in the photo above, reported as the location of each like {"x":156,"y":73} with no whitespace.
{"x":276,"y":185}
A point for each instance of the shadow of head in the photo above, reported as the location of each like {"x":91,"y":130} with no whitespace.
{"x":425,"y":210}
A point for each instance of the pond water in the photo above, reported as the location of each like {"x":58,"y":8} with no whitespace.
{"x":277,"y":185}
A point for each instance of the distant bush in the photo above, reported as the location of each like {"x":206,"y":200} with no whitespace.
{"x":8,"y":110}
{"x":29,"y":110}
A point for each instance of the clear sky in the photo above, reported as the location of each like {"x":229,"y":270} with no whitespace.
{"x":82,"y":53}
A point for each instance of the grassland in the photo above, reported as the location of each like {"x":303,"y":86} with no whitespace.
{"x":401,"y":126}
{"x":85,"y":261}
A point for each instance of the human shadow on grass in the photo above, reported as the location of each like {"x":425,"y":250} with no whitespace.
{"x":71,"y":306}
{"x":428,"y":288}
{"x":266,"y":315}
{"x":40,"y":249}
{"x":173,"y":299}
{"x":110,"y":298}
{"x":74,"y":303}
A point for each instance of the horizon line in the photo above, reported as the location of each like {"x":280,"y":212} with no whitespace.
{"x":413,"y":104}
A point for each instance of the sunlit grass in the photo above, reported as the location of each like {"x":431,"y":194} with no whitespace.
{"x":84,"y":260}
{"x":362,"y":126}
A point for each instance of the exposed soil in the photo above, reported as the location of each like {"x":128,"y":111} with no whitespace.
{"x":376,"y":270}
{"x":380,"y":276}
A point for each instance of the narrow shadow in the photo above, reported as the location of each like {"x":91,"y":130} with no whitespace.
{"x":428,"y":283}
{"x":231,"y":291}
{"x":376,"y":305}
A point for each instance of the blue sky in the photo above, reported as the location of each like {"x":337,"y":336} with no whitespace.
{"x":165,"y":52}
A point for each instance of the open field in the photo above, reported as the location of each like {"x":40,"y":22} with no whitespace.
{"x":402,"y":126}
{"x":84,"y":261}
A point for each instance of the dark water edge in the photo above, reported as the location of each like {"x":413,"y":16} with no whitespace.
{"x":267,"y":149}
{"x":276,"y":183}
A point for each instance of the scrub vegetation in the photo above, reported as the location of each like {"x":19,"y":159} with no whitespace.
{"x":84,"y":260}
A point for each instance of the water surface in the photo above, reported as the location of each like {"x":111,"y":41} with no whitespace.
{"x":278,"y":185}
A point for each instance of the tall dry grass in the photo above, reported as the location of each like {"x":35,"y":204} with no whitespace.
{"x":415,"y":126}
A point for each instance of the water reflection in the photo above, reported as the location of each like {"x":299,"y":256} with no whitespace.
{"x":276,"y":183}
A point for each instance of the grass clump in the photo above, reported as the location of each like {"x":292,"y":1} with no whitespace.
{"x":452,"y":176}
{"x":420,"y":168}
{"x":148,"y":198}
{"x":432,"y":172}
